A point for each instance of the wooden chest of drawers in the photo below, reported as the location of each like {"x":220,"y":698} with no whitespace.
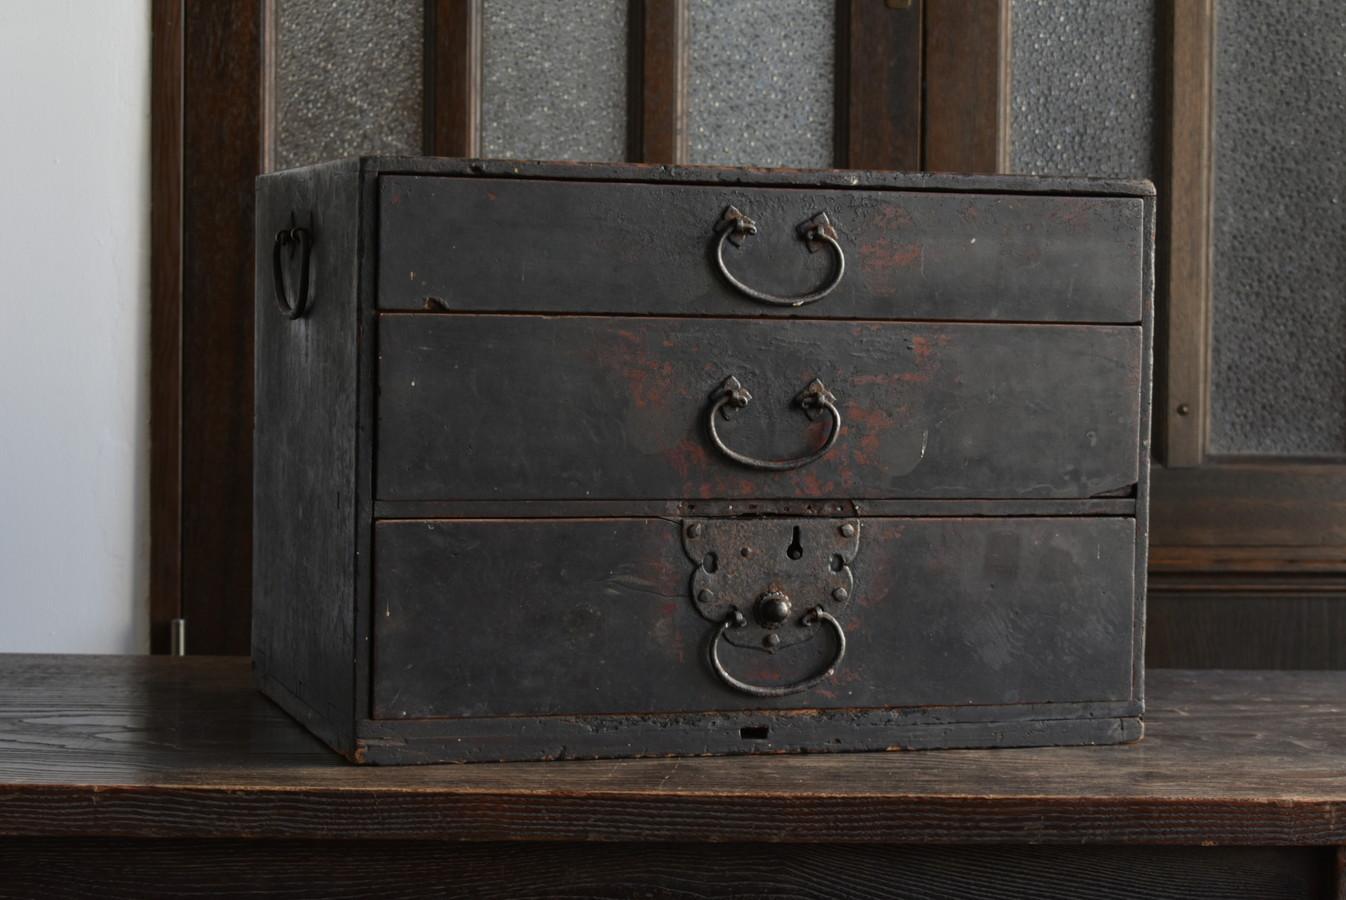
{"x":582,"y":461}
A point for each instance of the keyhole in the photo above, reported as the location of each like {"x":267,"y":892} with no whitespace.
{"x":795,"y":550}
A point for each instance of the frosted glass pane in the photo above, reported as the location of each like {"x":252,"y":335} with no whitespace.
{"x":348,"y":79}
{"x":1278,"y":377}
{"x":554,"y":79}
{"x":1083,"y":87}
{"x":761,"y":78}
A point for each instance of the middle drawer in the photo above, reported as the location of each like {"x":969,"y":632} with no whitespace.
{"x":523,"y":407}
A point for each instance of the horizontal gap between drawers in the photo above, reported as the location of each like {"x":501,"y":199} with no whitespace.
{"x":553,"y":509}
{"x":534,"y":314}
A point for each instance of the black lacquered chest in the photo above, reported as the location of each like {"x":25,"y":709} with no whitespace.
{"x":582,"y":461}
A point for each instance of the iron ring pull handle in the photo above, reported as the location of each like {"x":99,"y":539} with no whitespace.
{"x":812,"y":617}
{"x":294,"y":238}
{"x":732,"y":395}
{"x":815,"y":232}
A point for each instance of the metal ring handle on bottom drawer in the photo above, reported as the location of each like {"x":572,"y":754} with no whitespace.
{"x":736,"y":227}
{"x":812,"y":617}
{"x":733,"y":395}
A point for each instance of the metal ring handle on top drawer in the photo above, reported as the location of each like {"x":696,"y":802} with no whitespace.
{"x":817,"y":232}
{"x":811,"y":618}
{"x":733,"y":395}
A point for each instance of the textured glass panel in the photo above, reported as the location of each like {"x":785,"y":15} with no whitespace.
{"x":1278,"y":335}
{"x":348,"y":79}
{"x":761,"y":82}
{"x":554,"y":79}
{"x":1083,"y":87}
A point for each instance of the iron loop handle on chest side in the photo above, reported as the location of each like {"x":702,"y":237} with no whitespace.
{"x":817,"y":232}
{"x":300,"y":240}
{"x":812,"y":617}
{"x":732,"y":395}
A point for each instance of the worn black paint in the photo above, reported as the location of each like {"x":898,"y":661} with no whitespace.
{"x":493,"y":245}
{"x":557,"y":617}
{"x":522,"y":422}
{"x":304,"y":516}
{"x":616,"y":408}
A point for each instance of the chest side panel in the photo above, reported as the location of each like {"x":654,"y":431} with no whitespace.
{"x":304,"y":509}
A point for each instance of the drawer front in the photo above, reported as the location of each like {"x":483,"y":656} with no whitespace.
{"x":560,"y":617}
{"x":500,"y":245}
{"x":592,"y":408}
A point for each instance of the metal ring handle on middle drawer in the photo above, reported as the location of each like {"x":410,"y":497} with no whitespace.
{"x":812,"y":617}
{"x":732,"y":395}
{"x":818,"y":231}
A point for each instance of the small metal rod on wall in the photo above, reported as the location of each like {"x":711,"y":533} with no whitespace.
{"x":178,"y":638}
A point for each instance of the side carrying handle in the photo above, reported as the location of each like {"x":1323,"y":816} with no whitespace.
{"x":299,"y":240}
{"x":811,"y":618}
{"x":732,"y":395}
{"x":816,"y":233}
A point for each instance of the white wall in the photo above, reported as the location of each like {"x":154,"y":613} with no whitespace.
{"x":74,"y":325}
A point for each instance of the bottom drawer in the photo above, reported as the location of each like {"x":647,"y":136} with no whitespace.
{"x":560,"y":617}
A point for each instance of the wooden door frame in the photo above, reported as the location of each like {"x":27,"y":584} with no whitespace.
{"x":207,"y":140}
{"x":921,"y":84}
{"x":166,"y":114}
{"x":1247,"y":555}
{"x":1213,"y":514}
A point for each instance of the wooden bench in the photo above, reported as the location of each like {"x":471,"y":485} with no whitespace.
{"x":146,"y":776}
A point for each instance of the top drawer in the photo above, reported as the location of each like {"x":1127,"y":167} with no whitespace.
{"x":506,"y":245}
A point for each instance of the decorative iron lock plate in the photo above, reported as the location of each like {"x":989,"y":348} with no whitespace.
{"x":769,"y":583}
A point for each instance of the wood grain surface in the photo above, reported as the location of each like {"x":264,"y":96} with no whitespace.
{"x":163,"y":747}
{"x":141,"y":869}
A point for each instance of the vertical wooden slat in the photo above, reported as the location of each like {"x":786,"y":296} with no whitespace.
{"x":453,"y":77}
{"x":1185,"y":199}
{"x":222,"y":125}
{"x":267,"y":134}
{"x":656,"y":85}
{"x":878,"y":80}
{"x":966,"y":124}
{"x":165,"y":320}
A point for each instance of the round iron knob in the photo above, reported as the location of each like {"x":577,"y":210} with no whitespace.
{"x":773,"y":608}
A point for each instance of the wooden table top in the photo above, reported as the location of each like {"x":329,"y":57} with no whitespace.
{"x":158,"y":746}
